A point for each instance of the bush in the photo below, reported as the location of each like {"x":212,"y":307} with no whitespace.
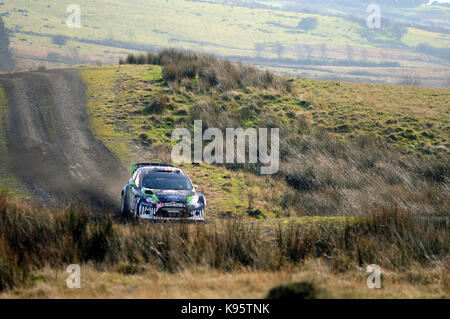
{"x":171,"y":73}
{"x":181,"y":112}
{"x":131,"y":59}
{"x":159,"y":103}
{"x":303,"y":178}
{"x":210,"y":71}
{"x":308,"y":24}
{"x":11,"y":274}
{"x":299,"y":290}
{"x":410,"y":80}
{"x":59,"y":39}
{"x":141,"y":59}
{"x":129,"y":268}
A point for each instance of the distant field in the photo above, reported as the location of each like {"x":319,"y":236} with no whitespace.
{"x":415,"y":37}
{"x":109,"y":30}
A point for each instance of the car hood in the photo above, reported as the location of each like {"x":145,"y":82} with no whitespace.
{"x":166,"y":196}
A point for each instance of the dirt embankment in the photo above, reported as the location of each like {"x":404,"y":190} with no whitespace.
{"x":51,"y":147}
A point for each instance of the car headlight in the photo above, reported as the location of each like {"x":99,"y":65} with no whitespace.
{"x":194,"y":200}
{"x":150,"y":200}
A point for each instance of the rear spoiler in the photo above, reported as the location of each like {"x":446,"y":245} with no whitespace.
{"x":138,"y":165}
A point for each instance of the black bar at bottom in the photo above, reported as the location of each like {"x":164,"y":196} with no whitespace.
{"x":215,"y":308}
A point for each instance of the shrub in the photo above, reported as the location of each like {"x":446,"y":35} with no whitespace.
{"x":11,"y":273}
{"x":410,"y":80}
{"x":211,"y":72}
{"x":303,"y":178}
{"x":129,"y":268}
{"x":131,"y":59}
{"x":171,"y":73}
{"x":159,"y":103}
{"x":59,"y":39}
{"x":298,"y":290}
{"x":141,"y":59}
{"x":308,"y":24}
{"x":181,"y":112}
{"x":54,"y":56}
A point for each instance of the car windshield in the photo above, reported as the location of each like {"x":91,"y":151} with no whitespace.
{"x":166,"y":180}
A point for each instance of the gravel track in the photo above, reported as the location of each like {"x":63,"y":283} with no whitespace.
{"x":52,"y":149}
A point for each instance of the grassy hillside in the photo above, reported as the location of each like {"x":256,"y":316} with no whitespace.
{"x":40,"y":37}
{"x":346,"y":148}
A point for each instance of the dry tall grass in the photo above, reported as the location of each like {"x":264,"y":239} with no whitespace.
{"x":332,"y":176}
{"x":337,"y":177}
{"x":32,"y":238}
{"x":200,"y":282}
{"x":208,"y":71}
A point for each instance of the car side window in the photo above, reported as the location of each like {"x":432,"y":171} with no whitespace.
{"x":135,"y":175}
{"x":137,"y":181}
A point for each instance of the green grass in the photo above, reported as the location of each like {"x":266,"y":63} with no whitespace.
{"x":116,"y":98}
{"x":7,"y":179}
{"x":410,"y":120}
{"x":415,"y":37}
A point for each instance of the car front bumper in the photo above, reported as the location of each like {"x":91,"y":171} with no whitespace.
{"x":161,"y":212}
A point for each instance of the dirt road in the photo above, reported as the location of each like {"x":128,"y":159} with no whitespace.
{"x":51,"y":147}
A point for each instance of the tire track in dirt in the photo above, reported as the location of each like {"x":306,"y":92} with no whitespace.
{"x":51,"y":147}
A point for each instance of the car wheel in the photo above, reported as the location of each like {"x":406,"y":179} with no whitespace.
{"x":125,"y":210}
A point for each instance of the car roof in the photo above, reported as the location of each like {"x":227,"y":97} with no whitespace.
{"x":151,"y":169}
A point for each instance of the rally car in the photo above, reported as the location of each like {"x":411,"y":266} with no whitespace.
{"x":158,"y":191}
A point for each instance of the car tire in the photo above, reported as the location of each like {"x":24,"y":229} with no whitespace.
{"x":125,"y":210}
{"x":135,"y":215}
